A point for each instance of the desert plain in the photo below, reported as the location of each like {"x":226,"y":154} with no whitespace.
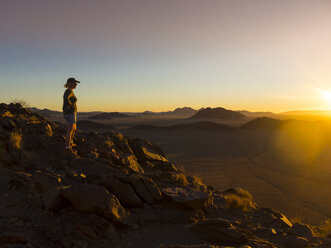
{"x":285,"y":167}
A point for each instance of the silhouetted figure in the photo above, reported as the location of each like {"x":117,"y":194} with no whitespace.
{"x":70,"y":111}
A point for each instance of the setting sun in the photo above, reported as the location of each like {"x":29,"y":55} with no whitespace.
{"x":326,"y":95}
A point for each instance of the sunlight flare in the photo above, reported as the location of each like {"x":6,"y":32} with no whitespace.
{"x":326,"y":95}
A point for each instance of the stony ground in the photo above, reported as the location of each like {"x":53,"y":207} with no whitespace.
{"x":118,"y":191}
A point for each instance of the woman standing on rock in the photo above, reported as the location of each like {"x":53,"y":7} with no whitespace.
{"x":70,"y":111}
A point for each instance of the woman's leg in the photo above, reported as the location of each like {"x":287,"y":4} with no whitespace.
{"x":69,"y":134}
{"x":74,"y":128}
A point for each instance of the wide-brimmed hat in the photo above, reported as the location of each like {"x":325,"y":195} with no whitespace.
{"x":72,"y":80}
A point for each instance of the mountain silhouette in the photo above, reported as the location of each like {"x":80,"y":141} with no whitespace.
{"x":263,"y":122}
{"x":203,"y":126}
{"x":108,"y":116}
{"x":217,"y":113}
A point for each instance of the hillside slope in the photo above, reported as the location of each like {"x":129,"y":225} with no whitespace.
{"x":118,"y":191}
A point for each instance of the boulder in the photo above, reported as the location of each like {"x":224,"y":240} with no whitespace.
{"x":22,"y":177}
{"x":301,"y":229}
{"x":89,"y":198}
{"x":159,"y":165}
{"x":145,"y":188}
{"x":45,"y":181}
{"x":35,"y":126}
{"x":121,"y":144}
{"x":142,"y":191}
{"x":52,"y":199}
{"x":188,"y":197}
{"x":221,"y":231}
{"x":269,"y":216}
{"x":297,"y":242}
{"x":125,"y":194}
{"x":5,"y":156}
{"x":130,"y":160}
{"x":8,"y":123}
{"x":145,"y":150}
{"x":192,"y":246}
{"x":12,"y":238}
{"x":102,"y":227}
{"x":115,"y":212}
{"x":6,"y":114}
{"x":45,"y":129}
{"x":87,"y":231}
{"x":153,"y":189}
{"x":80,"y":243}
{"x":127,"y":160}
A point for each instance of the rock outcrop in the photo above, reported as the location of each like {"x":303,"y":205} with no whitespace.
{"x":118,"y":191}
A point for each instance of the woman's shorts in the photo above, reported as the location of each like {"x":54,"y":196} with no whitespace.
{"x":70,"y":118}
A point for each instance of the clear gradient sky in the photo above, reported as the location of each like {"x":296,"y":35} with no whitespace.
{"x":158,"y":55}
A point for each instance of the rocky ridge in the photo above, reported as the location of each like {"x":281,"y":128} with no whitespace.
{"x":118,"y":191}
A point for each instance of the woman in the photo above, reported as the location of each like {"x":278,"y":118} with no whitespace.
{"x":70,"y":111}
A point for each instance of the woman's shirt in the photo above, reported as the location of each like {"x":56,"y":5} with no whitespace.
{"x":69,"y":102}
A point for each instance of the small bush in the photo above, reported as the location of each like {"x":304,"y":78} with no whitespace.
{"x":298,"y":217}
{"x":108,"y":144}
{"x":120,"y":137}
{"x":23,"y":103}
{"x":239,"y":199}
{"x":15,"y":140}
{"x":181,"y":178}
{"x":195,"y":181}
{"x":197,"y":178}
{"x":323,"y":230}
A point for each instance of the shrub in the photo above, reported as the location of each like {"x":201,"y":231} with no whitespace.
{"x":108,"y":144}
{"x":323,"y":230}
{"x":23,"y":103}
{"x":120,"y":137}
{"x":181,"y":178}
{"x":298,"y":217}
{"x":197,"y":178}
{"x":239,"y":199}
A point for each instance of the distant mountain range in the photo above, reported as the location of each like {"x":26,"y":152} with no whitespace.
{"x":217,"y":113}
{"x":263,"y":122}
{"x":257,"y":114}
{"x":258,"y":123}
{"x":203,"y":125}
{"x":108,"y":116}
{"x":44,"y":112}
{"x":203,"y":113}
{"x":177,"y":111}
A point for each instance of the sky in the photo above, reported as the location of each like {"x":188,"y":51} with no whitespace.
{"x":137,"y":55}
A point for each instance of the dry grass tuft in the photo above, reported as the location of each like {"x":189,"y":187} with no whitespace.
{"x":239,"y":199}
{"x":324,"y":229}
{"x":197,"y":178}
{"x":15,"y":140}
{"x":108,"y":144}
{"x":181,"y":178}
{"x":298,"y":217}
{"x":23,"y":103}
{"x":120,"y":137}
